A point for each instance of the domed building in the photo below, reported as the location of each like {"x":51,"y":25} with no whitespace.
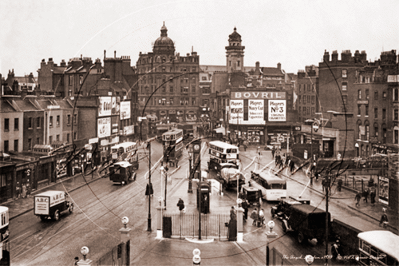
{"x":168,"y":86}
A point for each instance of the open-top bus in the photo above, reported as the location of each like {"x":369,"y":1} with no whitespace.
{"x":273,"y":188}
{"x":221,"y":152}
{"x":126,"y":151}
{"x":379,"y":247}
{"x":172,"y":142}
{"x":4,"y":236}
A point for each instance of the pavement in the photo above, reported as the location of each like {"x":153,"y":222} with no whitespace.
{"x":179,"y":251}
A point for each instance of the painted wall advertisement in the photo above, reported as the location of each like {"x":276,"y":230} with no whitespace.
{"x":104,"y":127}
{"x":125,"y":110}
{"x":277,"y":110}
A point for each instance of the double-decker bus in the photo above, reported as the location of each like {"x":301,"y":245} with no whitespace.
{"x":4,"y":236}
{"x":126,"y":151}
{"x":221,"y":152}
{"x":172,"y":142}
{"x":379,"y":247}
{"x":273,"y":188}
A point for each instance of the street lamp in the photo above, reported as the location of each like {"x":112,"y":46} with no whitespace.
{"x":315,"y":127}
{"x":270,"y":234}
{"x":190,"y":155}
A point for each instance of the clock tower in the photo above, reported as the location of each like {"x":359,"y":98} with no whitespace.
{"x":235,"y":53}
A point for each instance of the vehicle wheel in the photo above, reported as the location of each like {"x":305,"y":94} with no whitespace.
{"x":43,"y":218}
{"x":71,"y":208}
{"x":300,"y":237}
{"x":57,"y":215}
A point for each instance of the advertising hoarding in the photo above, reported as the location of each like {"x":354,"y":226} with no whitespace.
{"x":104,"y":127}
{"x":125,"y":110}
{"x":236,"y":111}
{"x":256,"y":111}
{"x":277,"y":110}
{"x":105,"y":106}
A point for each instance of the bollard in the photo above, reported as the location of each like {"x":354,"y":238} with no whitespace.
{"x":240,"y":226}
{"x":159,"y":218}
{"x":196,"y":257}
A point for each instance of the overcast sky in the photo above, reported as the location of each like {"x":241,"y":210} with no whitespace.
{"x":293,"y":33}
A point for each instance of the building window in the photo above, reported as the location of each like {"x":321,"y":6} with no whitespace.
{"x":384,"y":95}
{"x":37,"y":122}
{"x":376,"y":113}
{"x":58,"y":120}
{"x":29,"y":144}
{"x":304,"y":99}
{"x":16,"y":124}
{"x":367,"y":109}
{"x":50,"y":139}
{"x":367,"y":94}
{"x":300,"y":87}
{"x":299,"y":99}
{"x":70,"y":82}
{"x":304,"y":110}
{"x":313,"y":110}
{"x":359,"y":109}
{"x":51,"y":121}
{"x":344,"y":99}
{"x":193,"y":101}
{"x":80,"y":79}
{"x":359,"y":94}
{"x":68,"y":120}
{"x":238,"y":63}
{"x":308,"y":87}
{"x":170,"y":88}
{"x":193,"y":88}
{"x":384,"y":135}
{"x":313,"y":99}
{"x":367,"y":132}
{"x":344,"y":86}
{"x":375,"y":131}
{"x":15,"y":145}
{"x":6,"y":124}
{"x":6,"y":149}
{"x":57,"y":137}
{"x":395,"y":115}
{"x":308,"y":98}
{"x":75,"y":135}
{"x":37,"y":140}
{"x":396,"y":136}
{"x":395,"y":94}
{"x":75,"y":119}
{"x":375,"y":95}
{"x":344,"y":73}
{"x":30,"y":122}
{"x":162,"y":101}
{"x":384,"y":114}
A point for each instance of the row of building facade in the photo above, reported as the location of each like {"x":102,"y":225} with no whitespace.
{"x":81,"y":101}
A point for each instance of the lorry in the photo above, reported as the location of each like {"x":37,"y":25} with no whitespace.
{"x":306,"y":221}
{"x":229,"y":174}
{"x":51,"y":204}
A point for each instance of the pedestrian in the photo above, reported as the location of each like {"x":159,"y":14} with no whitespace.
{"x":233,"y":215}
{"x":323,"y":184}
{"x":384,"y":218}
{"x":365,"y":194}
{"x":339,"y":184}
{"x":254,"y":216}
{"x":245,"y":146}
{"x":273,"y":151}
{"x":180,"y":204}
{"x":357,"y":198}
{"x":372,"y":196}
{"x":261,"y":217}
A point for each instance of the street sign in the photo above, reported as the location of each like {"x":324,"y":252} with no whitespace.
{"x":280,"y":139}
{"x":315,"y":126}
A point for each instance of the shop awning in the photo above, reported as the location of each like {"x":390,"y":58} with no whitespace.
{"x":220,"y":130}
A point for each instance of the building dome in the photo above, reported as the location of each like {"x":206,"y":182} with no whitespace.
{"x":235,"y":37}
{"x":164,"y":44}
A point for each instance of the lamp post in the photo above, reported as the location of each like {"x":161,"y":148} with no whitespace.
{"x":190,"y":183}
{"x":270,"y":234}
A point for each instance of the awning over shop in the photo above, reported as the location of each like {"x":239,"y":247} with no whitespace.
{"x":220,"y":130}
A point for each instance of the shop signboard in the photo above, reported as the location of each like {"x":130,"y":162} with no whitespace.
{"x":104,"y":127}
{"x":125,"y":110}
{"x":115,"y":102}
{"x":269,"y":95}
{"x":277,"y":110}
{"x":128,"y":130}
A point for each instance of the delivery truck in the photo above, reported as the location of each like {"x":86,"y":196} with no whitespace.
{"x":51,"y":204}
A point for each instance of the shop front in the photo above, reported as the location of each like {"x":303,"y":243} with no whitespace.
{"x":253,"y":135}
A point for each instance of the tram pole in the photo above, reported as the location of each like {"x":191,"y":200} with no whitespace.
{"x":149,"y":186}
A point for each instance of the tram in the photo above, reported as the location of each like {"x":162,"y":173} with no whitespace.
{"x":172,"y":142}
{"x":4,"y":236}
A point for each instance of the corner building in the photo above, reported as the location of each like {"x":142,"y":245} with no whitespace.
{"x":168,"y":86}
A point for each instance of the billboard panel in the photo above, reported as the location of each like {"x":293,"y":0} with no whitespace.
{"x":277,"y":110}
{"x":236,"y":111}
{"x":256,"y":111}
{"x":105,"y":107}
{"x":125,"y":110}
{"x":104,"y":127}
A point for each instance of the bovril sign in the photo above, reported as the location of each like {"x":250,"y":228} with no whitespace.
{"x":270,"y":95}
